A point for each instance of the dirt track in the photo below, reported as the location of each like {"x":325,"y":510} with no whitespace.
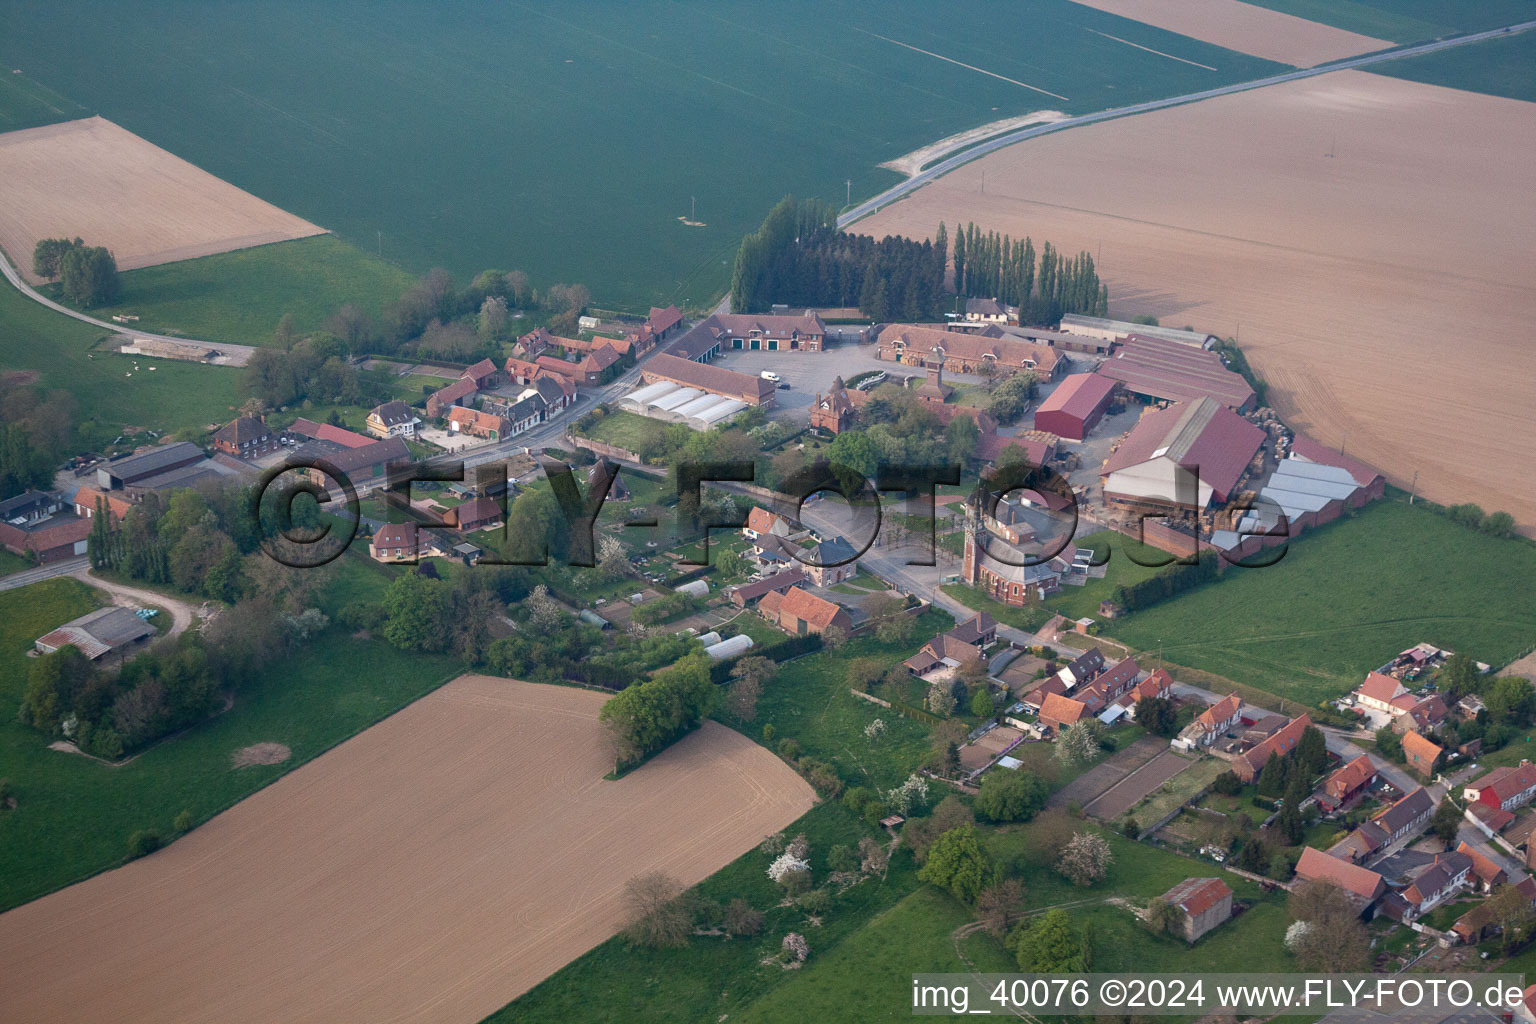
{"x":1386,"y":291}
{"x":431,"y":869}
{"x":100,"y":182}
{"x":1246,"y":28}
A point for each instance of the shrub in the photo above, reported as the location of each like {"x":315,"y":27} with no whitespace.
{"x":842,"y":858}
{"x":7,"y":793}
{"x":1227,"y":784}
{"x":741,"y":919}
{"x":789,"y":749}
{"x":183,"y":822}
{"x":142,"y":843}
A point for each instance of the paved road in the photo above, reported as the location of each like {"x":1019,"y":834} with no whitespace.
{"x":67,"y":567}
{"x":234,"y":355}
{"x":917,"y":181}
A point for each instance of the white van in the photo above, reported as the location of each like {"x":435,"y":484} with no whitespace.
{"x":769,"y":375}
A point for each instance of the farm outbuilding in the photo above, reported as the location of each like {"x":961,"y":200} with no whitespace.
{"x":729,"y":647}
{"x":1158,"y":370}
{"x":694,"y":588}
{"x":1076,"y":406}
{"x":1183,"y":456}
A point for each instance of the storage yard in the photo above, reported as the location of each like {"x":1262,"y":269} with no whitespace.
{"x":94,"y":180}
{"x":431,"y":869}
{"x":1397,"y":336}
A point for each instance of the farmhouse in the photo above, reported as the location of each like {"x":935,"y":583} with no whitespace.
{"x":460,"y":392}
{"x":1347,"y":783}
{"x":990,"y":311}
{"x":312,"y":431}
{"x":958,"y":352}
{"x":245,"y":438}
{"x":1442,"y":879}
{"x":1249,"y":764}
{"x":1362,"y":885}
{"x":1504,"y":788}
{"x":521,"y":414}
{"x":1425,"y":715}
{"x":1421,"y":754}
{"x":831,"y":562}
{"x":744,"y":594}
{"x":1182,"y":457}
{"x":402,"y":542}
{"x":394,"y":419}
{"x":1034,"y":450}
{"x":799,"y":612}
{"x":474,"y":423}
{"x":87,"y":499}
{"x":97,"y":633}
{"x":1210,"y":724}
{"x":714,"y":380}
{"x":1119,"y":330}
{"x":1381,"y":693}
{"x":1202,"y":903}
{"x":1077,"y":404}
{"x":475,"y":514}
{"x":1157,"y":370}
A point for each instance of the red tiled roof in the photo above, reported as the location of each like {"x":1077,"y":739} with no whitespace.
{"x":1508,"y":781}
{"x":1486,"y":870}
{"x":1421,"y":752}
{"x":461,"y":388}
{"x":329,"y":432}
{"x":1380,"y":687}
{"x":1282,"y":743}
{"x":663,"y":320}
{"x":1062,"y":709}
{"x":479,"y":371}
{"x":1220,"y":712}
{"x":1350,"y":777}
{"x":807,"y":606}
{"x":990,"y":448}
{"x":971,"y":348}
{"x":1315,"y":865}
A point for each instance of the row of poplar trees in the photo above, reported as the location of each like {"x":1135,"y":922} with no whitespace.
{"x":989,"y":265}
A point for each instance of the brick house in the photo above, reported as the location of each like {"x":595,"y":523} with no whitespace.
{"x":246,"y":438}
{"x":393,"y":419}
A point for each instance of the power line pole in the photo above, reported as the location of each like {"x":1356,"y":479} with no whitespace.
{"x":849,"y":200}
{"x":1413,"y":488}
{"x":381,"y":243}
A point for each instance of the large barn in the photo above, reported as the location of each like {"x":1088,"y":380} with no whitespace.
{"x":1203,"y":436}
{"x":1159,"y":370}
{"x":1075,"y":407}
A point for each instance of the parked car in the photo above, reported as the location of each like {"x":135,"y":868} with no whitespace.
{"x":783,"y":386}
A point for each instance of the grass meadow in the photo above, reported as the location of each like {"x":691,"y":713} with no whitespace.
{"x":1404,"y":21}
{"x":569,"y":140}
{"x":74,"y":815}
{"x":1345,"y":599}
{"x":175,"y":396}
{"x":240,"y":296}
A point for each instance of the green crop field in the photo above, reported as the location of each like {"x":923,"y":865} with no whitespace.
{"x":1345,"y":599}
{"x":1405,"y":21}
{"x":26,"y":104}
{"x":173,"y":396}
{"x":568,"y":140}
{"x":1502,"y":66}
{"x":74,"y":815}
{"x":240,"y":296}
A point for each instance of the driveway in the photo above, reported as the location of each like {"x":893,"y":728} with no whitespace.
{"x":182,"y":613}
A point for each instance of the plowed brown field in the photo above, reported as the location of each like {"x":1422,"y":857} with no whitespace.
{"x":1246,"y":28}
{"x":94,"y":180}
{"x":1371,"y":241}
{"x":430,"y":869}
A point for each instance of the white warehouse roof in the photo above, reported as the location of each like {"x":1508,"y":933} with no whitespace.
{"x":724,"y":409}
{"x":674,"y":399}
{"x":651,"y":392}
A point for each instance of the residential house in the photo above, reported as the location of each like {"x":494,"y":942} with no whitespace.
{"x":482,"y":373}
{"x":960,"y":352}
{"x":474,"y":423}
{"x":1058,"y":711}
{"x":943,"y":655}
{"x":393,"y":419}
{"x":743,"y":595}
{"x":363,"y":467}
{"x":475,"y":514}
{"x":1202,"y":903}
{"x":1407,"y":816}
{"x":1361,"y":885}
{"x":1423,"y":715}
{"x":831,"y":562}
{"x":87,"y":499}
{"x":1504,"y":788}
{"x":30,"y":507}
{"x":1421,"y":754}
{"x":246,"y":438}
{"x":402,"y":542}
{"x":761,"y":522}
{"x":1157,"y":686}
{"x":980,"y":629}
{"x":460,"y":392}
{"x":834,"y":411}
{"x":1485,"y":872}
{"x":302,"y":429}
{"x":799,"y":612}
{"x":557,"y":392}
{"x":1250,"y":763}
{"x":1442,"y":879}
{"x":520,"y":414}
{"x":1344,"y":785}
{"x":1082,"y":668}
{"x":1360,"y":843}
{"x":1210,"y":724}
{"x":990,"y":311}
{"x":1380,"y":693}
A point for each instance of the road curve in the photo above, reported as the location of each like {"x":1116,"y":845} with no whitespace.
{"x":943,"y":167}
{"x":14,"y":276}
